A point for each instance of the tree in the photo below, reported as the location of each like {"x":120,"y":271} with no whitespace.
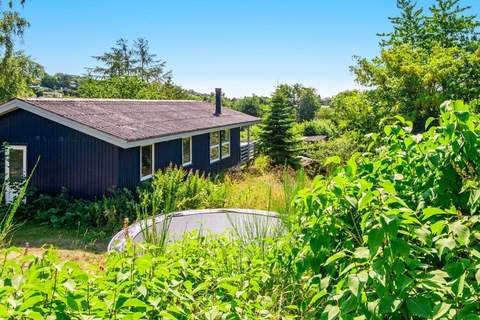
{"x":253,"y":105}
{"x":18,"y":74}
{"x":408,"y":28}
{"x":118,"y":62}
{"x":12,"y":26}
{"x":354,"y":112}
{"x":148,"y":68}
{"x":448,"y":25}
{"x":414,"y":82}
{"x":308,"y":104}
{"x":277,"y":136}
{"x":426,"y":60}
{"x":130,"y":88}
{"x":123,"y":61}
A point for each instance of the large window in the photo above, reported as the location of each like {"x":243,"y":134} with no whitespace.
{"x":187,"y":151}
{"x":214,"y":146}
{"x":225,"y":134}
{"x":146,"y":161}
{"x":219,"y":145}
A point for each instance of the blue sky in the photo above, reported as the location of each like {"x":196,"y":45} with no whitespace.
{"x":243,"y":46}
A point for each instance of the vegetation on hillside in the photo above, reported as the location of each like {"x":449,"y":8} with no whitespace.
{"x":383,"y":223}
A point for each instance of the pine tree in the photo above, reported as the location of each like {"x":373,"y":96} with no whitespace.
{"x":408,"y":28}
{"x":278,"y":139}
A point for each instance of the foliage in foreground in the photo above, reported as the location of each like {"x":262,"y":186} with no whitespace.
{"x":395,"y":233}
{"x":198,"y":278}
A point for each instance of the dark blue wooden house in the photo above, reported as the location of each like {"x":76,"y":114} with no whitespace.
{"x":90,"y":146}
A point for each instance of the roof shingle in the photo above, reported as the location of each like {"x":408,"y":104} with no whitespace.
{"x":133,"y":120}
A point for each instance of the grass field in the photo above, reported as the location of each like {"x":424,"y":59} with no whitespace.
{"x":86,"y":247}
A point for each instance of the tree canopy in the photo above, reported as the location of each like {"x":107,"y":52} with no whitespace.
{"x":124,"y":61}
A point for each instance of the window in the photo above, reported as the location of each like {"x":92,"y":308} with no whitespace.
{"x":225,"y":143}
{"x":187,"y":151}
{"x":15,"y":171}
{"x":214,"y":146}
{"x":146,"y":162}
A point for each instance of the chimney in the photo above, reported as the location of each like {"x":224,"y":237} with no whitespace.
{"x":218,"y":102}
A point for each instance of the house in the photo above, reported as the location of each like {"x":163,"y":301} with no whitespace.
{"x":90,"y":146}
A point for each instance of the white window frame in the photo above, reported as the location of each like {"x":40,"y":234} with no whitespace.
{"x":217,"y":146}
{"x":7,"y":159}
{"x":225,"y":143}
{"x":188,"y":163}
{"x":9,"y":193}
{"x":143,"y":178}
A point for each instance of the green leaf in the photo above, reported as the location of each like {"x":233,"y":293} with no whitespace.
{"x":428,"y":122}
{"x":317,"y":297}
{"x":437,"y":227}
{"x":388,"y":304}
{"x":142,"y":289}
{"x":431,"y":211}
{"x":72,"y":304}
{"x":389,"y":187}
{"x":387,"y":130}
{"x":134,"y":302}
{"x":444,"y":243}
{"x":375,"y":240}
{"x":333,"y":160}
{"x":333,"y":312}
{"x":365,"y":201}
{"x":420,"y":307}
{"x":461,"y":233}
{"x":30,"y":302}
{"x":400,"y":248}
{"x":440,"y":310}
{"x":361,"y":253}
{"x":335,"y":257}
{"x":353,"y":283}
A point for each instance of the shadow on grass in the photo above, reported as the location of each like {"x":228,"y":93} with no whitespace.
{"x":33,"y":235}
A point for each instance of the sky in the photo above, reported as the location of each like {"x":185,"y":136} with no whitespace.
{"x":245,"y":46}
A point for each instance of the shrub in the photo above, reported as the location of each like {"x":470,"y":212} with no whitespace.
{"x":175,"y":189}
{"x":395,"y":233}
{"x":65,"y":211}
{"x":197,"y":278}
{"x":342,"y":147}
{"x":319,"y":127}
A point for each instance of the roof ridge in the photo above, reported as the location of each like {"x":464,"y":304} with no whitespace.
{"x":107,"y":99}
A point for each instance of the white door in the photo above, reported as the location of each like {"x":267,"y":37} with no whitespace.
{"x":15,"y":170}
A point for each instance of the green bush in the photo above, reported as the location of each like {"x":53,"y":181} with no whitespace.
{"x":197,"y":278}
{"x":318,"y":127}
{"x":342,"y":147}
{"x":65,"y":211}
{"x":395,"y":233}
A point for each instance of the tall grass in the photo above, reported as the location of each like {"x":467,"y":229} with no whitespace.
{"x":174,"y":189}
{"x":272,"y":191}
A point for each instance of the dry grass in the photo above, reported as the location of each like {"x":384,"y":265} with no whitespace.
{"x":87,"y":248}
{"x":273,"y":191}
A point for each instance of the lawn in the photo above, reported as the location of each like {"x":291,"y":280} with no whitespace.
{"x":84,"y":247}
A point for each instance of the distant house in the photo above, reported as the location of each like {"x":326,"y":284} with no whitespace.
{"x":90,"y":146}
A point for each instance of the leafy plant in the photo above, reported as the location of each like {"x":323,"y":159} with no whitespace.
{"x":395,"y":233}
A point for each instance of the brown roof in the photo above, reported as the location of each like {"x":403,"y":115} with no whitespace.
{"x":133,"y":120}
